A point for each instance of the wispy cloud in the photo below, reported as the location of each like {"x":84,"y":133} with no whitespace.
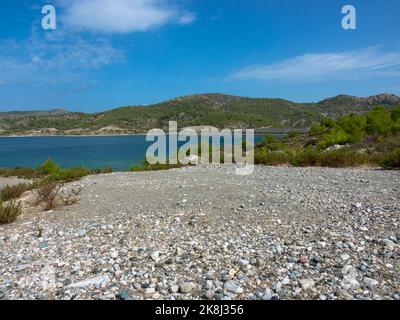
{"x":54,"y":56}
{"x":368,"y":62}
{"x":122,"y":16}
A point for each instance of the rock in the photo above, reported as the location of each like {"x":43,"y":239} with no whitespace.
{"x":267,"y":295}
{"x":114,"y":254}
{"x":345,"y":256}
{"x":149,"y":291}
{"x":306,"y":284}
{"x":209,"y":285}
{"x":155,"y":256}
{"x":278,"y":249}
{"x":233,"y":287}
{"x":123,"y":294}
{"x":350,"y":283}
{"x":82,"y":233}
{"x":370,"y":283}
{"x":98,"y":281}
{"x":244,"y":262}
{"x":209,"y":294}
{"x":43,"y":245}
{"x":186,"y":287}
{"x":22,"y":267}
{"x":303,"y":259}
{"x":390,"y":245}
{"x":349,"y":270}
{"x":261,"y":263}
{"x":174,"y":289}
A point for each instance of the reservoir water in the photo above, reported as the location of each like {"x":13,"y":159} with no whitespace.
{"x":118,"y":152}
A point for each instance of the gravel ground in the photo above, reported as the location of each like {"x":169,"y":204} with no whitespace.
{"x":205,"y":233}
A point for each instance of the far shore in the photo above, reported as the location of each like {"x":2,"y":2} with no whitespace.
{"x":103,"y":135}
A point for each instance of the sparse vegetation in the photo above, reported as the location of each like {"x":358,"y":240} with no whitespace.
{"x":370,"y":139}
{"x":392,"y":160}
{"x":15,"y":191}
{"x":9,"y":211}
{"x":155,"y":167}
{"x":48,"y":192}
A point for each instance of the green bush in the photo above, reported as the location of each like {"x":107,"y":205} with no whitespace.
{"x":293,"y":134}
{"x":329,"y":123}
{"x":344,"y":158}
{"x":305,"y":158}
{"x":392,"y":161}
{"x":333,"y":137}
{"x":51,"y":168}
{"x":272,"y":158}
{"x":318,"y":128}
{"x":354,"y":126}
{"x":396,"y":126}
{"x":155,"y":167}
{"x":71,"y":174}
{"x":9,"y":211}
{"x":379,"y":121}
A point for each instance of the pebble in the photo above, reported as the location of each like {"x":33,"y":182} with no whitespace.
{"x":233,"y":287}
{"x":139,"y":244}
{"x":306,"y":284}
{"x":186,"y":287}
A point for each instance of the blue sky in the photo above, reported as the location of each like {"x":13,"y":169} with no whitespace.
{"x":110,"y":53}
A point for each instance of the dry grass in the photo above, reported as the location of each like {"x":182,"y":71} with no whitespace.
{"x":48,"y":193}
{"x":9,"y":211}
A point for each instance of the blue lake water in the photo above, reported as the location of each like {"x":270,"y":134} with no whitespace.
{"x":118,"y":152}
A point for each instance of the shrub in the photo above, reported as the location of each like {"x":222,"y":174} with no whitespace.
{"x":318,"y":128}
{"x":379,"y":121}
{"x":107,"y":170}
{"x":305,"y":158}
{"x":354,"y":126}
{"x":343,"y":158}
{"x":272,"y":158}
{"x":51,"y":168}
{"x":392,"y":161}
{"x":15,"y":191}
{"x":269,"y":138}
{"x":293,"y":134}
{"x":396,"y":126}
{"x":155,"y":167}
{"x":72,"y":174}
{"x":9,"y":211}
{"x":21,"y":173}
{"x":335,"y":136}
{"x":329,"y":123}
{"x":395,"y":113}
{"x":47,"y":193}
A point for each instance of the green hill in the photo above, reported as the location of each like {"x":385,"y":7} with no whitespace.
{"x":221,"y":111}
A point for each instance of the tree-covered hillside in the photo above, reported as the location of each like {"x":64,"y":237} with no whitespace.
{"x":221,"y":111}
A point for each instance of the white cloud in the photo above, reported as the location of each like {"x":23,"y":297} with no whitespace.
{"x":54,"y":57}
{"x":187,"y":18}
{"x":121,"y":16}
{"x":368,"y":62}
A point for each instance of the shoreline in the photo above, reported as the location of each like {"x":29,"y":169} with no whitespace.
{"x":100,"y":135}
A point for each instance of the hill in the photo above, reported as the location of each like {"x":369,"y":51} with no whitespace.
{"x":219,"y":110}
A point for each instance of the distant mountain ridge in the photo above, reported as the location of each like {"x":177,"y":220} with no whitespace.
{"x":213,"y":109}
